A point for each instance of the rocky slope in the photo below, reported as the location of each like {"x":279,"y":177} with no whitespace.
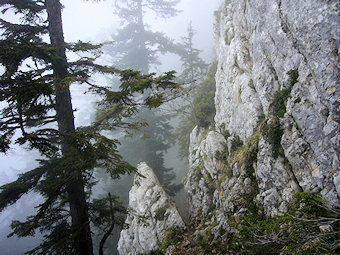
{"x":277,"y":123}
{"x":270,"y":51}
{"x":152,"y":213}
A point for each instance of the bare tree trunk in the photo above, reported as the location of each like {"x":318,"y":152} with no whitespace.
{"x":144,"y":55}
{"x":65,"y":119}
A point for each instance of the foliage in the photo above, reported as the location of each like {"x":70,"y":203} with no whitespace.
{"x":293,"y":76}
{"x":135,"y":46}
{"x":203,"y":103}
{"x":244,"y":154}
{"x":172,"y":236}
{"x":205,"y":245}
{"x":225,"y":132}
{"x":200,"y":112}
{"x":223,"y":155}
{"x":33,"y":86}
{"x":281,"y":96}
{"x":295,"y":232}
{"x":198,"y":170}
{"x":236,"y":143}
{"x":194,"y":68}
{"x":149,"y":144}
{"x":247,"y":155}
{"x":273,"y":131}
{"x":279,"y":102}
{"x":156,"y":252}
{"x":160,"y":213}
{"x":182,"y":134}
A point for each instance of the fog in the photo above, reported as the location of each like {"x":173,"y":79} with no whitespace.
{"x":94,"y":21}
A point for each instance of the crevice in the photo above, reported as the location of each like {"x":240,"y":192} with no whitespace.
{"x":287,"y":31}
{"x":271,"y":66}
{"x":291,"y":174}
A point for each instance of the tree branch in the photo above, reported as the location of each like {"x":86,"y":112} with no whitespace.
{"x":108,"y":233}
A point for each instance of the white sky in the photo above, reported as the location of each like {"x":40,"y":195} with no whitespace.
{"x":95,"y":21}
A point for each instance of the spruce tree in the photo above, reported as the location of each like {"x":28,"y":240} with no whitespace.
{"x":149,"y":145}
{"x":136,"y":46}
{"x":200,"y":87}
{"x":194,"y":67}
{"x":35,"y":89}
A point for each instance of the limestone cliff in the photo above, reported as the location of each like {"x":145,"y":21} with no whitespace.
{"x":277,"y":92}
{"x":277,"y":122}
{"x":151,"y":214}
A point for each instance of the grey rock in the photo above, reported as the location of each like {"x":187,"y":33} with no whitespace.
{"x":257,"y":44}
{"x":204,"y":168}
{"x":152,"y":213}
{"x":326,"y":228}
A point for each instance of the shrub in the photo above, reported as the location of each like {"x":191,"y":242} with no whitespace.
{"x":295,"y":232}
{"x":155,"y":252}
{"x":201,"y":112}
{"x":236,"y":143}
{"x":293,"y":76}
{"x":172,"y":236}
{"x":160,"y":214}
{"x":281,"y":96}
{"x":203,"y":103}
{"x":205,"y":243}
{"x":272,"y":133}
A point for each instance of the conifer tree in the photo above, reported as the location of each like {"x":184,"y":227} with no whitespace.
{"x":196,"y":77}
{"x":137,"y":47}
{"x":194,"y":67}
{"x":35,"y":89}
{"x":149,"y":144}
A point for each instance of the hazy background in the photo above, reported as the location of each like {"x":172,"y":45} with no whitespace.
{"x":95,"y":22}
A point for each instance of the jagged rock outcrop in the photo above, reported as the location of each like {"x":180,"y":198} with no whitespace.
{"x":204,"y":168}
{"x":152,"y":213}
{"x":271,"y":54}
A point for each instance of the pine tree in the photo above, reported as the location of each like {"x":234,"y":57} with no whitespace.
{"x":149,"y":144}
{"x":198,"y":110}
{"x":135,"y":45}
{"x":194,"y":67}
{"x":35,"y":88}
{"x":200,"y":87}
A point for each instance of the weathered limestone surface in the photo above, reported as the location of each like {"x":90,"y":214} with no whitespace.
{"x":152,"y":213}
{"x":257,"y":43}
{"x":204,"y":168}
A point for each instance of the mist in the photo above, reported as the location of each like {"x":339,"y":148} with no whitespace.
{"x":94,"y":22}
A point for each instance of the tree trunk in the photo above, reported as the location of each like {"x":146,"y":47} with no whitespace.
{"x":144,"y":54}
{"x":65,"y":119}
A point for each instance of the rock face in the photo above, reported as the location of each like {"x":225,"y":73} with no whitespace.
{"x":152,"y":213}
{"x":277,"y":123}
{"x":264,"y":48}
{"x":204,"y":168}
